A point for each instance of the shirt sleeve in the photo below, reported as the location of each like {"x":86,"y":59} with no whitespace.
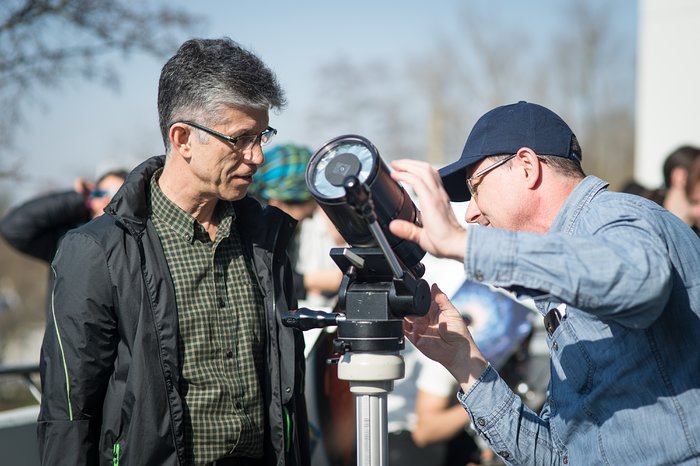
{"x":493,"y":408}
{"x":620,"y":271}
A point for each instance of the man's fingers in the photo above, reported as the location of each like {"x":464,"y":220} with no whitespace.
{"x":405,"y":230}
{"x":441,"y":299}
{"x":424,"y":180}
{"x":420,"y":178}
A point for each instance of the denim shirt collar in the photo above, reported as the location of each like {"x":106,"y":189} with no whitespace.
{"x":577,"y":201}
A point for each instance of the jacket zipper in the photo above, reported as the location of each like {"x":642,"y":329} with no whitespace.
{"x":286,"y":422}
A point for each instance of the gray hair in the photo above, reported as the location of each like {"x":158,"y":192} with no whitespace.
{"x":206,"y":76}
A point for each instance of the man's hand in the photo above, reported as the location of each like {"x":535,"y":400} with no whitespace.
{"x":83,"y":186}
{"x":443,"y":336}
{"x":441,"y":233}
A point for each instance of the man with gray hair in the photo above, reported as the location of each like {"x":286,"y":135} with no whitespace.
{"x":164,"y":344}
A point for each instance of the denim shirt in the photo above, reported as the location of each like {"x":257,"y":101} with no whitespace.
{"x":625,"y":360}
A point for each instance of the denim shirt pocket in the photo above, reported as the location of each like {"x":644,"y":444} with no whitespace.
{"x":572,"y":365}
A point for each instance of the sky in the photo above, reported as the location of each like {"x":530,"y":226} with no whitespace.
{"x":83,"y":128}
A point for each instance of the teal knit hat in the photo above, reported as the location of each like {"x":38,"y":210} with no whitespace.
{"x":281,"y":177}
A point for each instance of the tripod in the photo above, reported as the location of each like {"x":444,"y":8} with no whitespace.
{"x":369,"y":339}
{"x":375,"y":293}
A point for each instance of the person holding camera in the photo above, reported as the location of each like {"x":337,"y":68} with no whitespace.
{"x":616,"y":278}
{"x":37,"y":226}
{"x":165,"y":345}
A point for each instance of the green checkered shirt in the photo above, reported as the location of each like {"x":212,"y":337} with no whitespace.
{"x":222,"y":338}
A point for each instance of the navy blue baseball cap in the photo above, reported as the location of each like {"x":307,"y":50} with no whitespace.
{"x":503,"y":131}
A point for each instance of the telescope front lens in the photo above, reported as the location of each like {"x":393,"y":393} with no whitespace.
{"x":339,"y":162}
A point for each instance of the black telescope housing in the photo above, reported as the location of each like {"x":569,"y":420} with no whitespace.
{"x":381,"y":272}
{"x":352,"y":155}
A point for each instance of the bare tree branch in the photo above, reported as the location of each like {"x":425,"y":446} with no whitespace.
{"x":45,"y":43}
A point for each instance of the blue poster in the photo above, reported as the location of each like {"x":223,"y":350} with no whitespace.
{"x":498,"y":323}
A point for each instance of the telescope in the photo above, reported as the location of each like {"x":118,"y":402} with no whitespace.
{"x":381,"y":280}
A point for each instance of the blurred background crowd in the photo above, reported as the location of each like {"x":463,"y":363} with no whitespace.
{"x":77,"y":84}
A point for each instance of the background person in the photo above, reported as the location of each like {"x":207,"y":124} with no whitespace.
{"x":321,"y":275}
{"x":614,"y":275}
{"x":37,"y":226}
{"x":693,"y":194}
{"x":165,"y":344}
{"x":638,"y":189}
{"x":422,"y":416}
{"x":675,"y":171}
{"x":280,"y":183}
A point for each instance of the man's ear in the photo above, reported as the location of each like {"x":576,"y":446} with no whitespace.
{"x":530,"y":165}
{"x":180,"y":141}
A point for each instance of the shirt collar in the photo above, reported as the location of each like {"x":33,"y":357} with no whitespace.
{"x":579,"y":198}
{"x":182,"y":223}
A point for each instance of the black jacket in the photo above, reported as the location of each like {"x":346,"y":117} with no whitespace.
{"x":109,"y":362}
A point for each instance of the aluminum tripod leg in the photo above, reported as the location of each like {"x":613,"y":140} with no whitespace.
{"x":371,"y":377}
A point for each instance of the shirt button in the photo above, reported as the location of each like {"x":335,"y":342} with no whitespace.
{"x":222,"y":303}
{"x":481,"y":421}
{"x":229,"y":354}
{"x":565,"y":460}
{"x":503,"y":454}
{"x":188,"y":238}
{"x":555,"y":346}
{"x":479,"y":276}
{"x":238,"y":404}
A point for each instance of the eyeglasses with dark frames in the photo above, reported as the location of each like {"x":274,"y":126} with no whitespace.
{"x":243,"y":142}
{"x":470,"y":181}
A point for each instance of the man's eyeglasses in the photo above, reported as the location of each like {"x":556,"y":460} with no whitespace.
{"x":243,"y":142}
{"x":470,"y":181}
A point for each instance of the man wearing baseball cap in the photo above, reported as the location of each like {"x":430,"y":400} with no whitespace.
{"x":615,"y":276}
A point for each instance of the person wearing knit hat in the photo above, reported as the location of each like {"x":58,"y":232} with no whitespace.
{"x":280,"y":181}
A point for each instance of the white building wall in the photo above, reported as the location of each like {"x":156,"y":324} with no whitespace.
{"x":668,"y":83}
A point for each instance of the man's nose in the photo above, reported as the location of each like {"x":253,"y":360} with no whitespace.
{"x":473,"y":213}
{"x":255,"y":154}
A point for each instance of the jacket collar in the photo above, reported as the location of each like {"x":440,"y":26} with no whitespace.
{"x":269,"y":226}
{"x":130,"y":205}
